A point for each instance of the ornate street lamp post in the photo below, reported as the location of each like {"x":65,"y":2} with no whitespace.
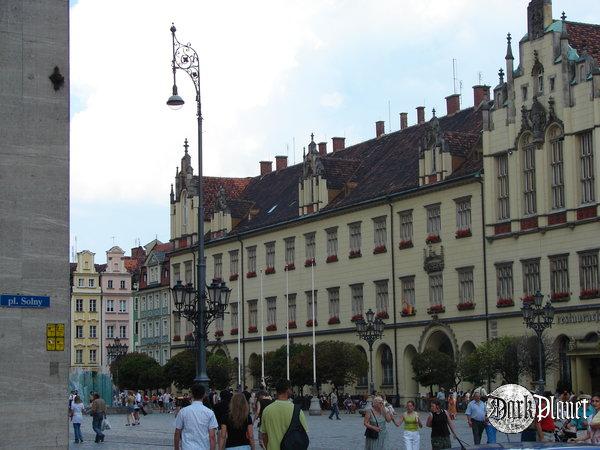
{"x":538,"y":317}
{"x":115,"y":351}
{"x":370,"y":331}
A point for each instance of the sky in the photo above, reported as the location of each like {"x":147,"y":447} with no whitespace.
{"x":271,"y":73}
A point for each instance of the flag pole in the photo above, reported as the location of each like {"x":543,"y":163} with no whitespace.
{"x":262,"y":332}
{"x":239,"y":334}
{"x":287,"y":325}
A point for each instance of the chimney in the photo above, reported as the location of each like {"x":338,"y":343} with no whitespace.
{"x":280,"y":162}
{"x":481,"y":93}
{"x":266,"y":167}
{"x":403,"y":120}
{"x":379,"y":128}
{"x":338,"y":143}
{"x":452,"y":104}
{"x":323,"y":148}
{"x":420,"y":114}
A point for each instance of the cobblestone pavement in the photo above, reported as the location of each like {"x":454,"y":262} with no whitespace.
{"x":156,"y":433}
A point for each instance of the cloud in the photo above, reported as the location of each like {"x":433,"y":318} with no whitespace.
{"x":332,"y":100}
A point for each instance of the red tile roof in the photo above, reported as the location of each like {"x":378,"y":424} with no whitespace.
{"x":585,"y":37}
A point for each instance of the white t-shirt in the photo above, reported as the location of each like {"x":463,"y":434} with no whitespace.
{"x":195,"y":421}
{"x":138,"y":398}
{"x":77,"y":409}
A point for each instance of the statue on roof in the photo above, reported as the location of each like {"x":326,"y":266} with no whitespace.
{"x":221,"y":204}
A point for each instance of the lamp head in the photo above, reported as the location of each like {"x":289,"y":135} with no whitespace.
{"x":370,"y":314}
{"x":538,"y":297}
{"x":527,"y":311}
{"x":175,"y":101}
{"x":225,"y":293}
{"x":178,"y":293}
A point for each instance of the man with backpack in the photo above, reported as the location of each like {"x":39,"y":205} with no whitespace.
{"x":283,"y":425}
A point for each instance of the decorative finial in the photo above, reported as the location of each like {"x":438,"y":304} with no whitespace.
{"x":508,"y":38}
{"x":173,"y":29}
{"x":509,"y":54}
{"x":563,"y":33}
{"x":501,"y":75}
{"x":312,"y":137}
{"x":186,"y":146}
{"x":563,"y":16}
{"x":433,"y":112}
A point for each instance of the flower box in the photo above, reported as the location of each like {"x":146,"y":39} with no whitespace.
{"x":219,"y":333}
{"x":252,"y":329}
{"x":528,"y":298}
{"x":309,"y":262}
{"x":233,"y":277}
{"x":176,"y":338}
{"x":269,"y":270}
{"x":560,"y":296}
{"x":333,"y":320}
{"x":405,"y":244}
{"x":435,"y":309}
{"x":379,"y":249}
{"x":251,"y":274}
{"x":505,"y":302}
{"x":234,"y":331}
{"x":463,"y":233}
{"x":408,"y":312}
{"x":331,"y":259}
{"x":272,"y":327}
{"x":354,"y":254}
{"x":433,"y":239}
{"x":217,"y":279}
{"x":290,"y":266}
{"x":383,"y":315}
{"x":292,"y":324}
{"x":356,"y":317}
{"x":465,"y":306}
{"x":309,"y":323}
{"x":589,"y":293}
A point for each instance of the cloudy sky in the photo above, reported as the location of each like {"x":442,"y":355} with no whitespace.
{"x":272,"y":72}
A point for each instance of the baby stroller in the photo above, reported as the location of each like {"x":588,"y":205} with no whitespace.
{"x":565,"y":433}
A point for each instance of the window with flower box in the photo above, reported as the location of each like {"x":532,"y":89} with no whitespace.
{"x":270,"y":258}
{"x":557,"y":169}
{"x":355,"y":239}
{"x":79,"y":305}
{"x":502,"y":189}
{"x":382,"y":299}
{"x":309,"y":241}
{"x":271,"y":311}
{"x":234,"y":314}
{"x":251,"y":251}
{"x":586,"y":167}
{"x":406,"y":229}
{"x":504,"y":283}
{"x":436,"y":292}
{"x":531,"y":278}
{"x":234,"y":256}
{"x":334,"y":305}
{"x":559,"y":277}
{"x":290,"y":253}
{"x":408,"y":295}
{"x":588,"y":274}
{"x":310,"y":297}
{"x":332,"y":244}
{"x":463,"y":217}
{"x":529,"y":192}
{"x":218,"y":266}
{"x":434,"y":222}
{"x":292,"y":310}
{"x":356,"y":292}
{"x":380,"y":234}
{"x":252,"y":314}
{"x":466,"y":291}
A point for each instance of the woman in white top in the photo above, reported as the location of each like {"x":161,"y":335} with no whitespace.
{"x":76,"y":414}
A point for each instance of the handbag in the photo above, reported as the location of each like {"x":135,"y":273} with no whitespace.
{"x":372,"y":434}
{"x":105,"y":424}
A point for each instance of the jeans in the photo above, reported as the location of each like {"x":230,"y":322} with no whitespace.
{"x":477,"y":429}
{"x":77,"y":431}
{"x":335,"y":410}
{"x":411,"y":440}
{"x":97,"y":426}
{"x":490,"y":433}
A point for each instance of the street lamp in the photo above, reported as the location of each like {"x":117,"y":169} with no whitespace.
{"x":115,"y":350}
{"x":538,"y":318}
{"x":370,"y":331}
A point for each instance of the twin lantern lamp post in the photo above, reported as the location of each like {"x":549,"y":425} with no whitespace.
{"x":206,"y":303}
{"x":370,"y":330}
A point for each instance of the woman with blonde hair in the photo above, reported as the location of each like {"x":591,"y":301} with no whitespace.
{"x":374,"y":422}
{"x":76,"y":414}
{"x":236,"y":429}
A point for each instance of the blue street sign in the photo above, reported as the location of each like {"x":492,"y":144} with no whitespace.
{"x":24,"y":301}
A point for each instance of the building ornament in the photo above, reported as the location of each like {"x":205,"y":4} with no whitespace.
{"x":433,"y":261}
{"x":534,"y":121}
{"x":434,"y":326}
{"x":221,"y":200}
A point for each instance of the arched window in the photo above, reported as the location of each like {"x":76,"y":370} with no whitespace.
{"x":564,"y":365}
{"x":557,"y":178}
{"x":387,"y":365}
{"x":364,"y":380}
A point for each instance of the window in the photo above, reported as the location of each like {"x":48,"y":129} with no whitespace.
{"x":271,"y":311}
{"x":332,"y":242}
{"x":79,"y":331}
{"x":165,"y":356}
{"x":290,"y":247}
{"x":363,"y":381}
{"x":559,"y":276}
{"x":218,"y":266}
{"x":110,"y":306}
{"x":123,"y":282}
{"x":110,"y":284}
{"x":157,"y":328}
{"x":92,"y":331}
{"x":136,"y":328}
{"x":144,"y":330}
{"x":466,"y":292}
{"x":582,"y":72}
{"x":309,"y":239}
{"x":502,"y":190}
{"x":136,"y":304}
{"x":144,"y":304}
{"x":233,"y":262}
{"x":110,"y":331}
{"x":355,"y":237}
{"x":79,"y":305}
{"x":292,"y":307}
{"x":436,"y":289}
{"x":334,"y":302}
{"x":219,"y":324}
{"x":381,"y":296}
{"x":253,"y":313}
{"x":165,"y":300}
{"x":252,"y":258}
{"x":80,"y":282}
{"x":356,"y":292}
{"x":540,"y":83}
{"x":270,"y":254}
{"x":123,"y":331}
{"x":588,"y":272}
{"x":92,"y":356}
{"x":379,"y":228}
{"x":531,"y":276}
{"x":309,"y":305}
{"x":406,"y":226}
{"x":387,"y":365}
{"x":91,"y":282}
{"x":188,"y":272}
{"x":586,"y":163}
{"x":78,"y":356}
{"x":434,"y":222}
{"x":408,"y":292}
{"x":176,"y":273}
{"x":150,"y":329}
{"x":524,"y":93}
{"x":165,"y":327}
{"x":529,"y":201}
{"x":557,"y":170}
{"x":234,"y":315}
{"x":552,"y":82}
{"x":176,"y":325}
{"x":92,"y":305}
{"x":463,"y":214}
{"x":122,"y":306}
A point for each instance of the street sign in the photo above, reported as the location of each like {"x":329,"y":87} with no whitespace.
{"x":55,"y":337}
{"x":24,"y":301}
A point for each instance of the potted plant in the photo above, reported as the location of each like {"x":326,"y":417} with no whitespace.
{"x":560,"y":296}
{"x":383,"y":315}
{"x":589,"y":293}
{"x":436,"y":309}
{"x":408,"y":310}
{"x":405,"y":244}
{"x":176,"y":338}
{"x":529,"y":298}
{"x":464,"y":306}
{"x":463,"y":233}
{"x":356,"y":317}
{"x":234,"y":331}
{"x":354,"y":254}
{"x":251,"y":274}
{"x":333,"y":320}
{"x":433,"y":239}
{"x":292,"y":324}
{"x":272,"y":327}
{"x":309,"y":262}
{"x":219,"y":333}
{"x":233,"y":277}
{"x":309,"y":323}
{"x":379,"y":249}
{"x":252,"y":329}
{"x":505,"y":302}
{"x":269,"y":270}
{"x":290,"y":266}
{"x":331,"y":259}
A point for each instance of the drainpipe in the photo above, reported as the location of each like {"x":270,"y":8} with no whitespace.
{"x":241,"y":310}
{"x":485,"y":275}
{"x":394,"y":301}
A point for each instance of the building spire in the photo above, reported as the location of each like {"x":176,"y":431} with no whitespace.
{"x":509,"y":53}
{"x":564,"y":34}
{"x":185,"y":146}
{"x":501,"y":76}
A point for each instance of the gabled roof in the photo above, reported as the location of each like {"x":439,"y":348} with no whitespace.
{"x":585,"y":37}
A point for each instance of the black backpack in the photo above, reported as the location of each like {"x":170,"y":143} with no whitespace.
{"x":295,"y":438}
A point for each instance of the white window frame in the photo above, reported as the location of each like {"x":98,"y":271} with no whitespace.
{"x":357,"y":297}
{"x":310,"y":245}
{"x":253,"y":313}
{"x":218,"y":266}
{"x":332,"y":241}
{"x":271,"y":310}
{"x":93,"y":331}
{"x":309,"y":300}
{"x":93,"y":356}
{"x":234,"y":262}
{"x":251,"y":258}
{"x":290,"y":250}
{"x":355,"y":234}
{"x":110,"y":306}
{"x":434,"y":219}
{"x":382,"y":296}
{"x":436,"y":289}
{"x":123,"y":331}
{"x":408,"y":291}
{"x":466,"y":288}
{"x":463,"y":213}
{"x":122,"y":306}
{"x":78,"y":356}
{"x":270,"y":254}
{"x":557,"y":186}
{"x":406,"y":225}
{"x":110,"y":331}
{"x":79,"y":305}
{"x":588,"y":270}
{"x":502,"y":187}
{"x":531,"y":276}
{"x":79,"y":331}
{"x":292,"y":307}
{"x":380,"y":231}
{"x":333,"y":295}
{"x":559,"y":274}
{"x":529,"y":169}
{"x":586,"y":168}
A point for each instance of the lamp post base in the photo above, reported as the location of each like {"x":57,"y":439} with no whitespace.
{"x":315,"y":404}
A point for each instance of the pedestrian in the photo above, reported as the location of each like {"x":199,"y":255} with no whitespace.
{"x":76,"y":414}
{"x":236,"y":428}
{"x":247,"y":394}
{"x":452,"y":404}
{"x":581,"y":423}
{"x":546,"y":426}
{"x":441,"y":396}
{"x":263,"y":400}
{"x":375,"y":422}
{"x":277,"y":417}
{"x":441,"y":424}
{"x":130,"y":403}
{"x":335,"y":407}
{"x":195,"y":425}
{"x":412,"y":423}
{"x":476,"y":416}
{"x":98,"y":413}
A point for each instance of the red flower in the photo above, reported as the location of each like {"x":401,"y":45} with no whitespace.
{"x":383,"y":315}
{"x":252,"y":329}
{"x":233,"y":277}
{"x":309,"y":323}
{"x":436,"y":309}
{"x":218,"y":333}
{"x":292,"y":324}
{"x":217,"y":280}
{"x":465,"y":306}
{"x":272,"y":327}
{"x":233,"y":331}
{"x":251,"y":274}
{"x":408,"y":311}
{"x":355,"y":254}
{"x":310,"y":262}
{"x":560,"y":296}
{"x":589,"y":293}
{"x":528,"y":298}
{"x":405,"y":244}
{"x":176,"y":338}
{"x":331,"y":258}
{"x":433,"y":239}
{"x":290,"y":266}
{"x":269,"y":270}
{"x":333,"y":320}
{"x":505,"y":302}
{"x":463,"y":233}
{"x":379,"y":249}
{"x":356,"y":317}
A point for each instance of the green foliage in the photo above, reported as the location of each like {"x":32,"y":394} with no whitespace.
{"x":137,"y":371}
{"x":181,"y":369}
{"x":340,"y":363}
{"x":255,"y":366}
{"x":432,"y":367}
{"x":220,"y":370}
{"x":300,"y":365}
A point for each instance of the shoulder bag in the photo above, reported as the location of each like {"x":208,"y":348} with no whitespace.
{"x":370,"y":433}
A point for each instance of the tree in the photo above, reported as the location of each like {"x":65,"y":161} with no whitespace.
{"x":255,"y":366}
{"x":432,"y":367}
{"x":528,"y":351}
{"x":220,"y":370}
{"x":340,"y":363}
{"x":300,"y":365}
{"x":137,"y":371}
{"x":180,"y":369}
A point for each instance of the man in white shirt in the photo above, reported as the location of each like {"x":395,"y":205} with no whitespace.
{"x":195,"y":425}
